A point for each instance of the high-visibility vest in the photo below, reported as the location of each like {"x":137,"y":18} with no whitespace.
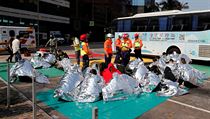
{"x":138,"y":44}
{"x":108,"y":46}
{"x":82,"y":51}
{"x":125,"y":45}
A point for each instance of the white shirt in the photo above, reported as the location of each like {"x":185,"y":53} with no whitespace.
{"x":15,"y":45}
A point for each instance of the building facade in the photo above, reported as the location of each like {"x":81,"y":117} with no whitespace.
{"x":43,"y":15}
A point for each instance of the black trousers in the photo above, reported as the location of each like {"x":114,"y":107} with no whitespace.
{"x":9,"y":59}
{"x":118,"y":56}
{"x":85,"y":60}
{"x":125,"y":58}
{"x":138,"y":54}
{"x":108,"y":59}
{"x":77,"y":53}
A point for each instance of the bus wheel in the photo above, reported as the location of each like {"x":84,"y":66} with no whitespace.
{"x":171,"y":49}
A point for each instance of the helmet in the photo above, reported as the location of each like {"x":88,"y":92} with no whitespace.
{"x":120,"y":34}
{"x":136,"y":35}
{"x":83,"y":37}
{"x":125,"y":35}
{"x":109,"y":35}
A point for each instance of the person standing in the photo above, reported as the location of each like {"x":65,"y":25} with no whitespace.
{"x":126,"y":46}
{"x":118,"y":49}
{"x":16,"y":48}
{"x":76,"y":45}
{"x":108,"y":49}
{"x":137,"y":46}
{"x":9,"y":45}
{"x":53,"y":44}
{"x":85,"y":51}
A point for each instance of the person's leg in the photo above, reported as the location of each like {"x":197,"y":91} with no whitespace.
{"x":127,"y":58}
{"x":85,"y":62}
{"x":136,"y":53}
{"x":16,"y":57}
{"x":117,"y":58}
{"x":9,"y":59}
{"x":19,"y":56}
{"x":77,"y":53}
{"x":140,"y":55}
{"x":123,"y":59}
{"x":108,"y":59}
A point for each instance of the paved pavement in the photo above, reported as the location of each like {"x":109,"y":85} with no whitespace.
{"x":194,"y":105}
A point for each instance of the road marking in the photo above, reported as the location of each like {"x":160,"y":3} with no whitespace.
{"x":190,"y":106}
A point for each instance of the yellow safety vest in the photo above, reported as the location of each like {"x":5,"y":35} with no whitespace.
{"x":81,"y":49}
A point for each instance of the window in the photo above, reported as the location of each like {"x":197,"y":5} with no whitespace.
{"x":163,"y":23}
{"x":194,"y":22}
{"x":153,"y":24}
{"x":181,"y":23}
{"x":140,"y":24}
{"x":203,"y":21}
{"x":127,"y":25}
{"x":120,"y":26}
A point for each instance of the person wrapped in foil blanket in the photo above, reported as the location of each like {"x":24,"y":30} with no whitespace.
{"x":38,"y":62}
{"x":75,"y":87}
{"x":25,"y":68}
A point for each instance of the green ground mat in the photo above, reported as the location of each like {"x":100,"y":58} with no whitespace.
{"x":51,"y":72}
{"x":202,"y":68}
{"x":123,"y":109}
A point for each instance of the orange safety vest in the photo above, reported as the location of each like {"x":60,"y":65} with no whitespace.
{"x":138,"y":43}
{"x":108,"y":46}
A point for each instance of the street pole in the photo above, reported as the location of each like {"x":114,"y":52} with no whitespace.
{"x":8,"y":85}
{"x":38,"y":23}
{"x":34,"y":96}
{"x":95,"y":113}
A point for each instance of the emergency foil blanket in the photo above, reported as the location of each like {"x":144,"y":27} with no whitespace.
{"x":24,"y":68}
{"x":68,"y":88}
{"x":120,"y":87}
{"x":50,"y":58}
{"x":194,"y":76}
{"x":38,"y":62}
{"x":90,"y":88}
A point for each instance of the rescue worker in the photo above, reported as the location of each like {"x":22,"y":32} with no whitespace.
{"x":85,"y":51}
{"x":108,"y":49}
{"x":118,"y":49}
{"x":137,"y":46}
{"x":53,"y":44}
{"x":76,"y":45}
{"x":16,"y":48}
{"x":126,"y":46}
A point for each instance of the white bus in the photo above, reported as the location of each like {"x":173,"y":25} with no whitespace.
{"x":168,"y":31}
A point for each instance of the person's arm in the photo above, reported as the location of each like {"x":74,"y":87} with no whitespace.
{"x":47,"y":43}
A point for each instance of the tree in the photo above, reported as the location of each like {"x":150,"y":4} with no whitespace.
{"x":172,"y":5}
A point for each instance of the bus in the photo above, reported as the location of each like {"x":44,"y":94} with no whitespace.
{"x":168,"y":31}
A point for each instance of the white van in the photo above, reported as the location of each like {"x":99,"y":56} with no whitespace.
{"x":27,"y":36}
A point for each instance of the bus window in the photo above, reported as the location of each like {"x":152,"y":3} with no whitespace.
{"x":140,"y":24}
{"x":127,"y":25}
{"x":163,"y":23}
{"x":153,"y":25}
{"x":181,"y":23}
{"x":203,"y":21}
{"x":120,"y":26}
{"x":194,"y":22}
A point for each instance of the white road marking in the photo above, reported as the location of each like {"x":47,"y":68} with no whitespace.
{"x":190,"y":106}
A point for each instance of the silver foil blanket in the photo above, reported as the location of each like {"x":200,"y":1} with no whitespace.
{"x":68,"y":88}
{"x":120,"y":87}
{"x":24,"y":68}
{"x":134,"y":64}
{"x":188,"y":73}
{"x":152,"y":80}
{"x":140,"y":74}
{"x":172,"y":90}
{"x":90,"y":88}
{"x":66,"y":64}
{"x":38,"y":62}
{"x":50,"y":58}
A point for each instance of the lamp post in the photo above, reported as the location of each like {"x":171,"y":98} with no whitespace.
{"x":38,"y":22}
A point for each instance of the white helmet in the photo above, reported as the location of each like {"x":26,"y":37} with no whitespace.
{"x":109,"y":35}
{"x":120,"y":34}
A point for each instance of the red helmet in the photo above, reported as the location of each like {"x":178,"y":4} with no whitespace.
{"x":125,"y":35}
{"x":83,"y":37}
{"x":136,"y":35}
